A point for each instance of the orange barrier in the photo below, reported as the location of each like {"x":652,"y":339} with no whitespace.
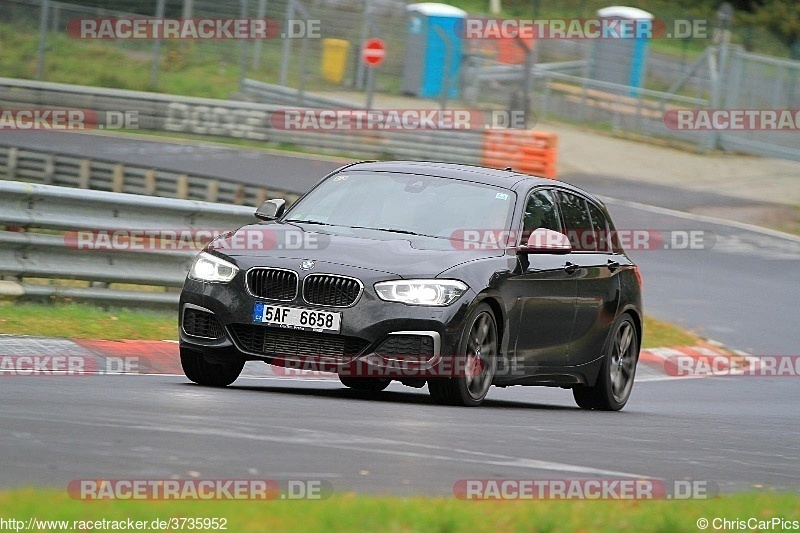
{"x":509,"y":51}
{"x":527,"y":151}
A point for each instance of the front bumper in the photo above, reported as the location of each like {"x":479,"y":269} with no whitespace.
{"x":365,"y":326}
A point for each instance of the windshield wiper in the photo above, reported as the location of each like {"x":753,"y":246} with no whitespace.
{"x":392,"y":230}
{"x":309,"y":222}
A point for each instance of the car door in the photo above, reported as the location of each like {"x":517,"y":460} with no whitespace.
{"x":545,"y":291}
{"x":596,"y":276}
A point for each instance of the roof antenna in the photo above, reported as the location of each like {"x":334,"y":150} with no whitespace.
{"x":508,"y":168}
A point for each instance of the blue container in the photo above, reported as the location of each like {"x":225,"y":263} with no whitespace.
{"x":433,"y":50}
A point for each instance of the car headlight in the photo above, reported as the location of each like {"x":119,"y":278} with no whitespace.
{"x":437,"y":292}
{"x":207,"y":267}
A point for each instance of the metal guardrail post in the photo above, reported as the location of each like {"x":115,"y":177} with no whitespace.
{"x":49,"y":169}
{"x":118,"y":178}
{"x":11,"y":162}
{"x":84,"y":173}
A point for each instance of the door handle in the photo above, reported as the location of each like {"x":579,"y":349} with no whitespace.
{"x":612,"y":265}
{"x":571,"y":268}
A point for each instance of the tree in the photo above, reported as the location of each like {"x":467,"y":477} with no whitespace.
{"x":781,"y":17}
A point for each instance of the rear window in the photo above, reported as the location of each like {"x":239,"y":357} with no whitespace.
{"x":577,"y":222}
{"x":599,"y":227}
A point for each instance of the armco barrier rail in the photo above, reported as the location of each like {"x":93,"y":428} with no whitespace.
{"x":268,"y":93}
{"x":33,"y":219}
{"x":50,"y":168}
{"x":247,"y":120}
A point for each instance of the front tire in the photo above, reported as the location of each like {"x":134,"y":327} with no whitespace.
{"x":203,"y":372}
{"x":479,"y":346}
{"x":615,"y":379}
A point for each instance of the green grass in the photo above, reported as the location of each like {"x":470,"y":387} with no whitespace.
{"x":348,"y":512}
{"x":197,"y":72}
{"x":658,"y":333}
{"x":87,"y":322}
{"x":90,"y":322}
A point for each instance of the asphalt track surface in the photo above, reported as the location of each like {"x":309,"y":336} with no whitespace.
{"x":734,"y":432}
{"x":245,"y":166}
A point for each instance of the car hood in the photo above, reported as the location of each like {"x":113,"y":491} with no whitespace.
{"x":381,"y":251}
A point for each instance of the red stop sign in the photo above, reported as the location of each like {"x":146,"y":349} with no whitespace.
{"x":373,"y":52}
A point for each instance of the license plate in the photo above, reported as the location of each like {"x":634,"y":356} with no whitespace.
{"x":297,"y":318}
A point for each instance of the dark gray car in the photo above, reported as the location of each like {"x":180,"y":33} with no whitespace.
{"x":451,"y":276}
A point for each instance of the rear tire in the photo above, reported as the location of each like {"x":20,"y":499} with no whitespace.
{"x":478,"y":352}
{"x":203,"y":372}
{"x":368,"y":384}
{"x":615,"y":379}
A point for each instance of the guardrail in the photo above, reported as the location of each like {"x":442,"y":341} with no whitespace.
{"x":268,"y":93}
{"x":64,"y":170}
{"x":42,"y":222}
{"x":493,"y":71}
{"x":248,"y":120}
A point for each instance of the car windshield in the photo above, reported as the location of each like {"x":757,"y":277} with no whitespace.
{"x":404,"y":203}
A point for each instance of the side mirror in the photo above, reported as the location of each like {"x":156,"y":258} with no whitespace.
{"x":546,"y":241}
{"x":271,"y":209}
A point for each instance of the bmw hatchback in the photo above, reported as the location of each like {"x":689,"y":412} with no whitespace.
{"x":448,"y":276}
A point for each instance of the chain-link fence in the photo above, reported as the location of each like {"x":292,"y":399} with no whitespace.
{"x":558,"y":80}
{"x":298,"y":61}
{"x":293,"y":61}
{"x":761,"y":82}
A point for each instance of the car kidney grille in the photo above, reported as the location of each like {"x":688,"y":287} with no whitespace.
{"x":201,"y":324}
{"x":273,"y":283}
{"x":325,"y":289}
{"x":280,"y":342}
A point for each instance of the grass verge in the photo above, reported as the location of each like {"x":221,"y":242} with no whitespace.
{"x":350,"y":512}
{"x":89,"y":322}
{"x":658,"y":333}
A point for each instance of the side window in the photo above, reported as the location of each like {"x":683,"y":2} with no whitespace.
{"x":577,"y":223}
{"x":540,"y":212}
{"x":600,"y":228}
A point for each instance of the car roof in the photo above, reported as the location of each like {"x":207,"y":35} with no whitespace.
{"x":489,"y":176}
